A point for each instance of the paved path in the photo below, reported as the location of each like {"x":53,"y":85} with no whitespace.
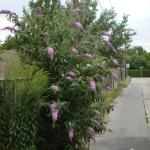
{"x":127,"y":122}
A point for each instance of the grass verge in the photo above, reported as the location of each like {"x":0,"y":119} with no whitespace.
{"x":110,"y":97}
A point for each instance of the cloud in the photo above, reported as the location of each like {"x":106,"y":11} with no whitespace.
{"x":4,"y":33}
{"x":138,"y":10}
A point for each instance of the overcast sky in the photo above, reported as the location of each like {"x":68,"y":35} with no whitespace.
{"x":138,"y":10}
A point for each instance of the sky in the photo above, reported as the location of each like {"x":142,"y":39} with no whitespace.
{"x":138,"y":11}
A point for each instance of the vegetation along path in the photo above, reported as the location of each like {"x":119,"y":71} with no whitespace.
{"x":128,"y":128}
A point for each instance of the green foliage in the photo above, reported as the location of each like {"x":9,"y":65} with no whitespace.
{"x":9,"y":44}
{"x":138,"y":57}
{"x":110,"y":97}
{"x":139,"y":73}
{"x":19,"y":98}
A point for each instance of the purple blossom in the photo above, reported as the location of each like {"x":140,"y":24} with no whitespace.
{"x":74,"y":51}
{"x":38,"y":11}
{"x":71,"y":73}
{"x":92,"y":85}
{"x":55,"y":115}
{"x":50,"y":51}
{"x":55,"y":88}
{"x":91,"y":131}
{"x":109,"y":45}
{"x":5,"y":12}
{"x":88,"y":56}
{"x":115,"y":62}
{"x":54,"y":112}
{"x":105,"y":33}
{"x":97,"y":112}
{"x":79,"y":25}
{"x":71,"y":134}
{"x":53,"y":106}
{"x":70,"y":79}
{"x":11,"y":29}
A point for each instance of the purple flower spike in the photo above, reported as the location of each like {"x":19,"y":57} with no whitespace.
{"x":54,"y":111}
{"x":50,"y":52}
{"x":6,"y":12}
{"x":88,"y":56}
{"x":53,"y":106}
{"x":74,"y":51}
{"x":115,"y":62}
{"x":92,"y":85}
{"x":55,"y":115}
{"x":55,"y":88}
{"x":91,"y":131}
{"x":72,"y":74}
{"x":79,"y":25}
{"x":11,"y":29}
{"x":71,"y":134}
{"x":97,"y":113}
{"x":105,"y":33}
{"x":70,"y":79}
{"x":109,"y":45}
{"x":38,"y":11}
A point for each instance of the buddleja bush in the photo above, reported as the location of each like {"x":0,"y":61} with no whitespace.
{"x":62,"y":40}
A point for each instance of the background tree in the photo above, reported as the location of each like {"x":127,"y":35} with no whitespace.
{"x":9,"y":43}
{"x":138,"y":57}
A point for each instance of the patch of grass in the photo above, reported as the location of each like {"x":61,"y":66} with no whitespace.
{"x":110,"y":97}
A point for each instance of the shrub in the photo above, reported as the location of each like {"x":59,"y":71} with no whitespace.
{"x":67,"y":43}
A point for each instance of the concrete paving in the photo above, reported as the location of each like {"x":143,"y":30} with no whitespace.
{"x":128,"y":121}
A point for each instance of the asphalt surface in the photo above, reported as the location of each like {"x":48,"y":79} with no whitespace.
{"x":129,"y":130}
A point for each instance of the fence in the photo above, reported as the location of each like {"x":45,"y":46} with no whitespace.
{"x":9,"y":89}
{"x":139,"y":73}
{"x":7,"y":96}
{"x":113,"y":81}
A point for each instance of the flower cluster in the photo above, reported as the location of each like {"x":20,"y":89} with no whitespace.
{"x":92,"y":85}
{"x":70,"y":76}
{"x":38,"y":11}
{"x":115,"y":62}
{"x":54,"y":112}
{"x":6,"y":12}
{"x":50,"y":52}
{"x":88,"y":56}
{"x":74,"y":51}
{"x":71,"y":134}
{"x":79,"y":25}
{"x":55,"y":88}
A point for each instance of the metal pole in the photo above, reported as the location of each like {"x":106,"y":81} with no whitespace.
{"x":125,"y":55}
{"x":141,"y":72}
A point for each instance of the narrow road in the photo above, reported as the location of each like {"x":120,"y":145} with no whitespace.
{"x":128,"y":121}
